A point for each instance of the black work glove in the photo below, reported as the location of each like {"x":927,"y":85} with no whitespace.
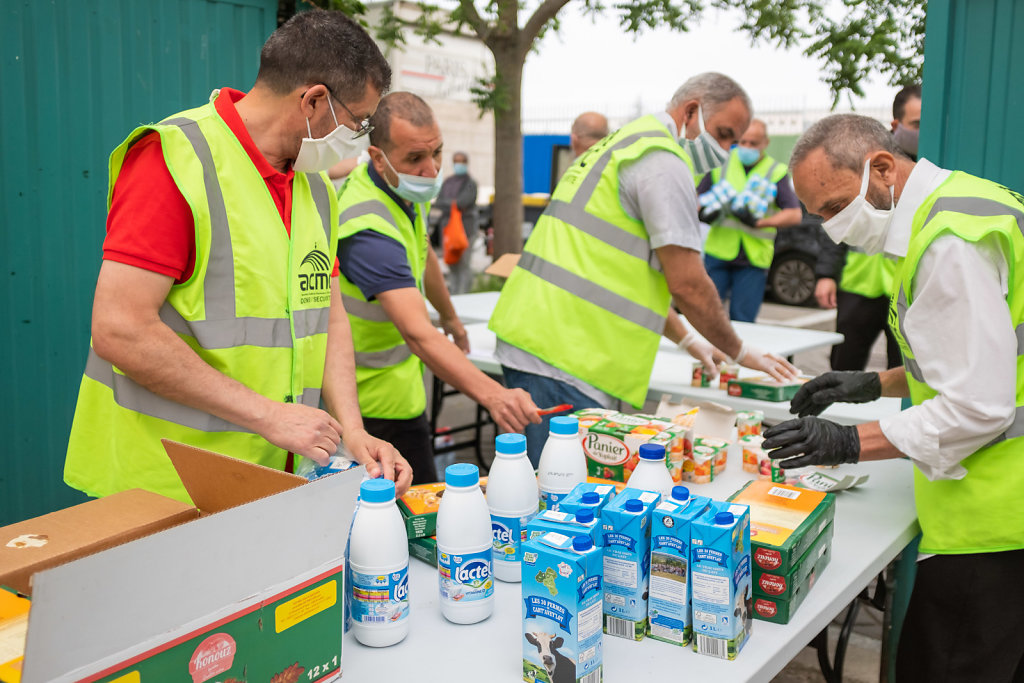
{"x":709,"y":215}
{"x":835,"y":387}
{"x":745,"y":217}
{"x":819,"y":441}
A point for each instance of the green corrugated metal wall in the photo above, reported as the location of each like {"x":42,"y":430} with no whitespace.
{"x":76,"y":77}
{"x":973,"y":91}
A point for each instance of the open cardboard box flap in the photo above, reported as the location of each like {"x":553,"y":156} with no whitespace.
{"x":503,"y":265}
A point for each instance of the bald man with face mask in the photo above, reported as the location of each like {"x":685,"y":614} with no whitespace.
{"x":957,"y":315}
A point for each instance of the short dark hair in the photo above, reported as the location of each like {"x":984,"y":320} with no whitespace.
{"x":899,"y":103}
{"x":402,"y":105}
{"x":323,"y":46}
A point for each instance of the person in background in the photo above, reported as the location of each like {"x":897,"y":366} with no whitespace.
{"x":745,"y":202}
{"x":460,"y":189}
{"x":386,"y":266}
{"x":580,"y":317}
{"x":215,"y":320}
{"x":957,"y":317}
{"x":588,"y":128}
{"x":857,"y":284}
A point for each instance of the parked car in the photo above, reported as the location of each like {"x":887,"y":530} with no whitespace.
{"x":791,"y":278}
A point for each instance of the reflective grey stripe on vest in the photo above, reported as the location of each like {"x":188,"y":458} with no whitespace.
{"x":901,"y":315}
{"x":310,"y":397}
{"x":269,"y":333}
{"x":133,"y":396}
{"x":364,"y":309}
{"x":219,"y":283}
{"x":383,"y":359}
{"x":760,"y":233}
{"x":976,"y":206}
{"x":371,"y":207}
{"x":321,"y":201}
{"x":606,"y":299}
{"x":575,"y":214}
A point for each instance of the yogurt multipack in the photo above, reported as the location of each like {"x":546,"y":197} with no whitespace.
{"x":612,"y":441}
{"x":626,"y":535}
{"x":720,"y":579}
{"x":668,"y":609}
{"x":562,"y":597}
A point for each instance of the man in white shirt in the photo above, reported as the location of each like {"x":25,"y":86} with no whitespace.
{"x":956,"y":315}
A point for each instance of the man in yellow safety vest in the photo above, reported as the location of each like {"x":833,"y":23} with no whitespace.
{"x":957,"y":312}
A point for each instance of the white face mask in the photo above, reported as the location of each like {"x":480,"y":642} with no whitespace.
{"x":414,"y":188}
{"x":861,"y":224}
{"x":319,"y":154}
{"x":704,"y":150}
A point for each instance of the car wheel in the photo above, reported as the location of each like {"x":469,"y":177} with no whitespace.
{"x":792,"y":279}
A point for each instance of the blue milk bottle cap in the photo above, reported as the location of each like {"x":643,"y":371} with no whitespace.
{"x":585,"y":516}
{"x":461,"y":474}
{"x":510,"y":444}
{"x":590,"y":498}
{"x":724,"y":518}
{"x":565,"y":425}
{"x":582,"y":543}
{"x":680,"y":493}
{"x":377,"y":490}
{"x":634,"y":505}
{"x":652,"y":451}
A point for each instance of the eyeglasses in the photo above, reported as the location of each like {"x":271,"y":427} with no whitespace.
{"x":364,"y":125}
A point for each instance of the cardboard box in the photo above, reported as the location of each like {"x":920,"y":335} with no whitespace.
{"x":781,"y":610}
{"x":419,"y":507}
{"x":764,"y":388}
{"x":612,"y":442}
{"x":562,"y":638}
{"x":627,"y":563}
{"x":251,"y":590}
{"x":781,"y":586}
{"x":721,"y":581}
{"x":503,"y":265}
{"x":668,"y":608}
{"x":784,"y":521}
{"x":424,"y":549}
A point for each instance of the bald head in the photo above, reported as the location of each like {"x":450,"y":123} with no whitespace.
{"x":398,"y":105}
{"x":587,"y":129}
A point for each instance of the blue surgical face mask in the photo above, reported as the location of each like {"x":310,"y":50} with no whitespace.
{"x":460,"y":168}
{"x":748,"y":156}
{"x":415,"y":188}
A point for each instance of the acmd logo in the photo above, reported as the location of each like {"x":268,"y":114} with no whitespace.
{"x":320,"y":278}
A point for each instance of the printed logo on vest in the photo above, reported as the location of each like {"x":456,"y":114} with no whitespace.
{"x":315,"y":278}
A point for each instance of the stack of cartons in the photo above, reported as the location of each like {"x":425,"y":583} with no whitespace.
{"x":791,"y":538}
{"x":626,"y":536}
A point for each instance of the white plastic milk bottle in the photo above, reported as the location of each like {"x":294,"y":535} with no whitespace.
{"x":512,"y":499}
{"x":379,"y":561}
{"x":464,"y":562}
{"x":650,"y":473}
{"x":562,"y":462}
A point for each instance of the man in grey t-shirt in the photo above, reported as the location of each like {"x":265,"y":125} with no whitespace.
{"x":709,"y":111}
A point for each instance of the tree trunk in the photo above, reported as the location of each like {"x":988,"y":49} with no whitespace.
{"x":508,"y":152}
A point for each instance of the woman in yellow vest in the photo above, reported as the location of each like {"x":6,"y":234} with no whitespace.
{"x":226,"y":335}
{"x":957,"y":311}
{"x":740,"y":246}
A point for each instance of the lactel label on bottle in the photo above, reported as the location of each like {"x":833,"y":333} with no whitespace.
{"x":507,"y":533}
{"x":465,"y":577}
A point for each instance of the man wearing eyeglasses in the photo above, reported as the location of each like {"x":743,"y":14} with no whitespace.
{"x":216,"y":321}
{"x":387,"y":266}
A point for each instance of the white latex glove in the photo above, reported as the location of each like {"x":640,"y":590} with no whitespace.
{"x":702,"y":351}
{"x":776,"y":366}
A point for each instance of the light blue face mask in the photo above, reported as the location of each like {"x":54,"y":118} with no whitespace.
{"x":748,"y":156}
{"x":415,"y":188}
{"x":460,"y":168}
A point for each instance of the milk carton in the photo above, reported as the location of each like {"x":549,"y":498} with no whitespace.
{"x":562,"y":610}
{"x":669,"y":606}
{"x":720,"y":580}
{"x":565,"y":523}
{"x":588,"y":495}
{"x":626,"y":534}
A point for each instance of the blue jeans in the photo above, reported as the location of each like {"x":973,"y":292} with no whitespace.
{"x":743,"y":285}
{"x":545,"y":392}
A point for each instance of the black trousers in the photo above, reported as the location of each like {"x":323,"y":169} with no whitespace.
{"x":413,"y":440}
{"x":965,"y":621}
{"x":860,"y":320}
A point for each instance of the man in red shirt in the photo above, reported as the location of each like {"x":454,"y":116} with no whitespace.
{"x":320,"y":78}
